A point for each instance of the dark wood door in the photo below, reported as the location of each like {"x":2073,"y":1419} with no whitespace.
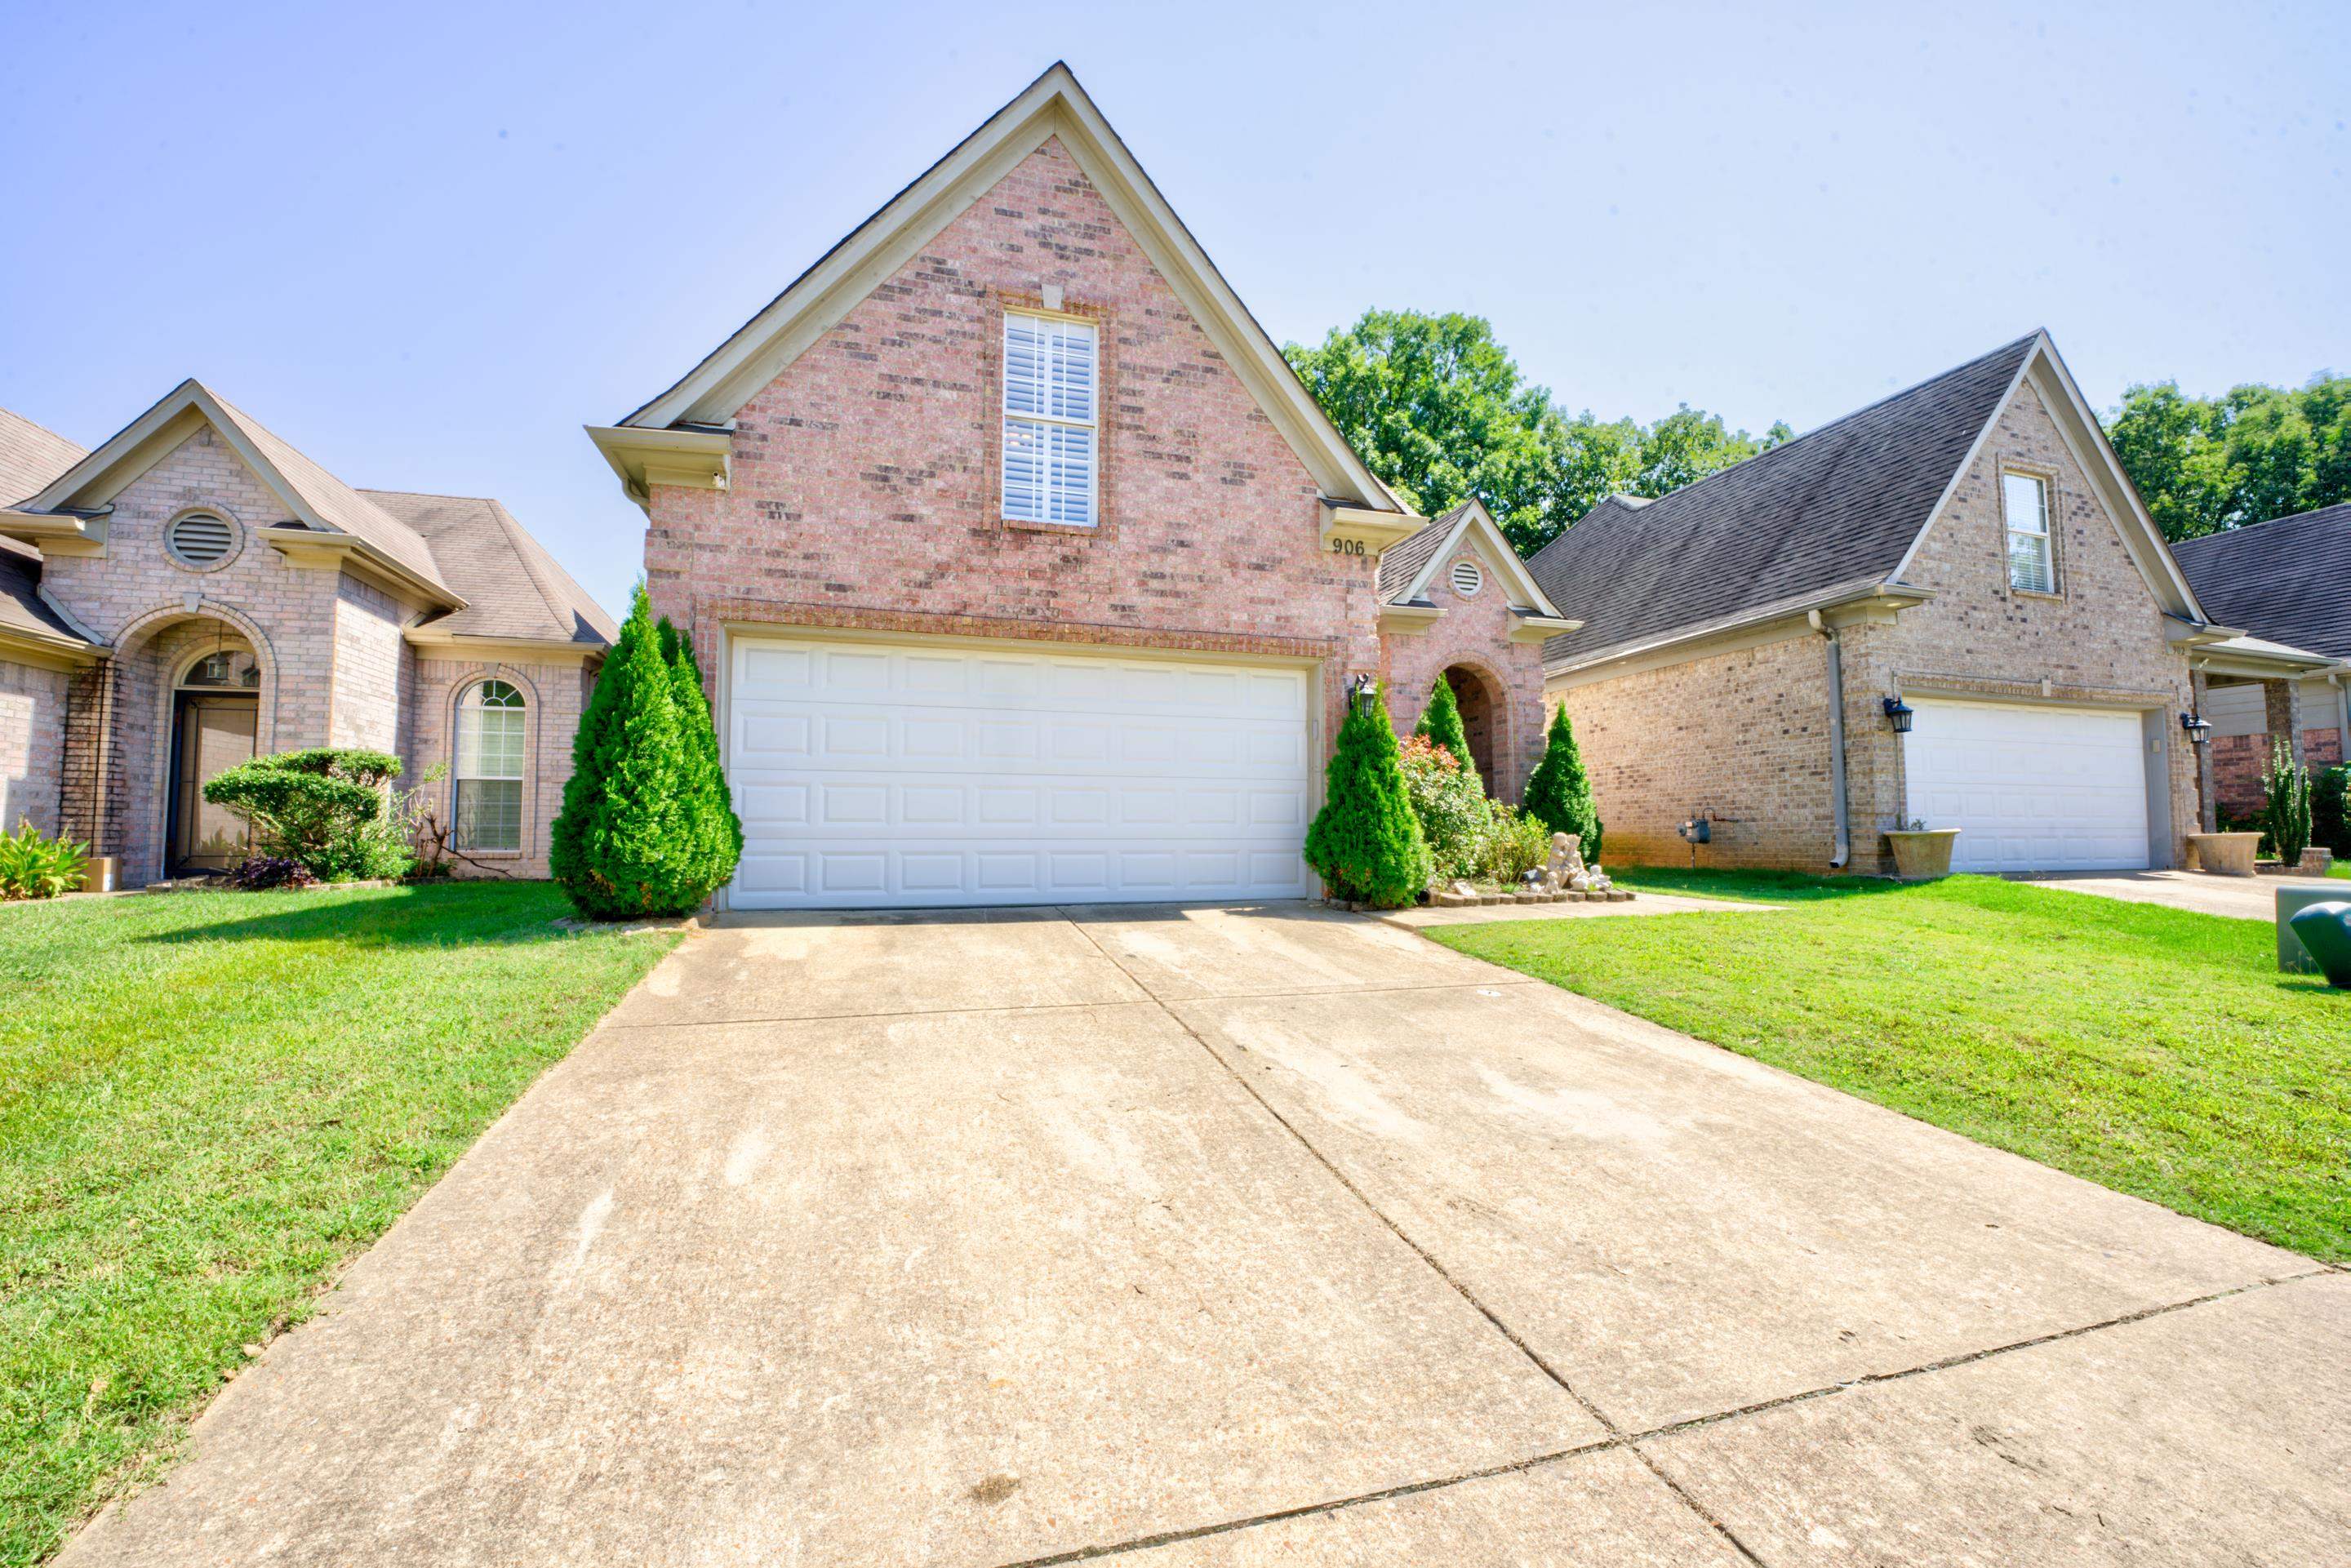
{"x":209,"y":733}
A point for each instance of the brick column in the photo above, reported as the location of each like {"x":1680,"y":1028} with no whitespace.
{"x":2208,"y":804}
{"x":2281,"y":703}
{"x":89,"y":785}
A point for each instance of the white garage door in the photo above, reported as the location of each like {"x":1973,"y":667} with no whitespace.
{"x":2030,"y":789}
{"x":872,"y":774}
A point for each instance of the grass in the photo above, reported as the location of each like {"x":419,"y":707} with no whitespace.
{"x":209,"y":1102}
{"x":2154,"y":1050}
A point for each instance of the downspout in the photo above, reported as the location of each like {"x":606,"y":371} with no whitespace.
{"x":1836,"y":740}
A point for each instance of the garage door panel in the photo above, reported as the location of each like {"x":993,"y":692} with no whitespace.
{"x":922,"y":775}
{"x":2030,"y":788}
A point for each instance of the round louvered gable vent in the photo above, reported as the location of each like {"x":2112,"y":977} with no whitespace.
{"x":200,"y":538}
{"x":1466,"y":579}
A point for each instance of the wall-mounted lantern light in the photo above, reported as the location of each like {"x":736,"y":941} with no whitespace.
{"x":1901,"y":713}
{"x":2199,"y":730}
{"x":1360,"y":687}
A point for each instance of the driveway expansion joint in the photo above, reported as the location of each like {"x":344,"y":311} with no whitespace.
{"x":1616,"y":1437}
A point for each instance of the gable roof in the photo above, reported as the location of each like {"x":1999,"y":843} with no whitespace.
{"x":1837,"y":511}
{"x":1053,"y":106}
{"x":30,"y":457}
{"x":479,"y":567}
{"x":513,"y":588}
{"x":1406,"y":565}
{"x":321,"y":502}
{"x":2286,"y":581}
{"x":1833,"y":506}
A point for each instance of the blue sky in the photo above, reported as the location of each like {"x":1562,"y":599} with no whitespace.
{"x":427,"y":243}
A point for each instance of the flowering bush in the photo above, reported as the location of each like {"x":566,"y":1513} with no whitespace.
{"x":1450,"y":804}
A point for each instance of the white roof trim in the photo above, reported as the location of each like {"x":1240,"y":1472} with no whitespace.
{"x":1053,"y":105}
{"x":2077,"y":426}
{"x":1498,"y":552}
{"x":118,"y":463}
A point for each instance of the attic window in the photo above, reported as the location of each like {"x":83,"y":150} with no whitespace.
{"x":2025,"y":499}
{"x":199,"y":539}
{"x":1466,"y":579}
{"x":1049,"y":420}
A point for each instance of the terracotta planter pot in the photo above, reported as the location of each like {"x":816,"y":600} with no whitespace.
{"x":1924,"y":855}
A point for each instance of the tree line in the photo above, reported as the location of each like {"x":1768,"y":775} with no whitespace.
{"x":1438,"y":410}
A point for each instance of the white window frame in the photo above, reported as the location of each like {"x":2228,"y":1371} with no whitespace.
{"x":467,"y":764}
{"x":2044,"y":537}
{"x":1051,"y":501}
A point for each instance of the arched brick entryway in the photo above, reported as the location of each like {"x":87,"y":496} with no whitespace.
{"x":1475,"y":694}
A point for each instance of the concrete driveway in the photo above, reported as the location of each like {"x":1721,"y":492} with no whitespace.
{"x":1254,"y":1236}
{"x":2238,"y":897}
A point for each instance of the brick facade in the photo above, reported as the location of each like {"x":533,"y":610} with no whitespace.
{"x":32,"y":744}
{"x":862,"y":489}
{"x":1745,"y":733}
{"x":336,"y":669}
{"x":556,"y":694}
{"x":1473,"y":635}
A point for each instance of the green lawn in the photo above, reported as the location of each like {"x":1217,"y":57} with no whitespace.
{"x":2157,"y":1052}
{"x":209,"y":1102}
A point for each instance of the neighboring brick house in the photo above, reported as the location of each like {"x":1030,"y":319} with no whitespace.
{"x":1027,"y":569}
{"x":2287,"y":581}
{"x":1965,"y":559}
{"x":195,"y":592}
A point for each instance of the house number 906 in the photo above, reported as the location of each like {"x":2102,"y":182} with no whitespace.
{"x":1348,"y":547}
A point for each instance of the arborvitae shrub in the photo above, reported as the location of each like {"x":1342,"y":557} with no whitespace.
{"x":1559,"y":792}
{"x":646,"y":827}
{"x":1440,"y":722}
{"x":1365,"y":840}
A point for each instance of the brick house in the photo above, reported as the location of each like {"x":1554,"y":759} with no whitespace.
{"x":1029,"y":570}
{"x":196,"y":591}
{"x":1948,"y":607}
{"x":2288,"y":581}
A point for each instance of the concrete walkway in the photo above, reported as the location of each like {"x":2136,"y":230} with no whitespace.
{"x":1241,"y":1236}
{"x":2241,"y":897}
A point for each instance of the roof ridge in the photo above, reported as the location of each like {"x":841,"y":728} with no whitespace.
{"x":2241,"y":528}
{"x":1794,"y":440}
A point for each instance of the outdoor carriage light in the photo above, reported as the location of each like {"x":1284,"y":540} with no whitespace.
{"x":1901,"y":713}
{"x":2199,"y":730}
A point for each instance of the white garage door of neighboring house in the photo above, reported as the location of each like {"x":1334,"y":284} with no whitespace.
{"x":2030,"y":789}
{"x":873,"y":774}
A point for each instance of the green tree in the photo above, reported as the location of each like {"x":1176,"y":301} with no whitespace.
{"x":1365,"y":840}
{"x":713,"y":828}
{"x":1435,"y":408}
{"x":1440,"y":722}
{"x":1438,"y":410}
{"x":634,"y":837}
{"x":2254,"y":453}
{"x":1559,"y":791}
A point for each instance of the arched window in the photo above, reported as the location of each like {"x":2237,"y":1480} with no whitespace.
{"x":489,"y":766}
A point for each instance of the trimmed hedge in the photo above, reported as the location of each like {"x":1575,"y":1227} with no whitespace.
{"x":323,"y":807}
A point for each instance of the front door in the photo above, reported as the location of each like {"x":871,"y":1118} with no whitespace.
{"x":209,"y":732}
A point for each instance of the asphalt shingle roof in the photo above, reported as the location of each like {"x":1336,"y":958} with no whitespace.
{"x":30,"y":457}
{"x":2288,"y":581}
{"x":511,"y":586}
{"x":1402,"y":561}
{"x":1838,"y":505}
